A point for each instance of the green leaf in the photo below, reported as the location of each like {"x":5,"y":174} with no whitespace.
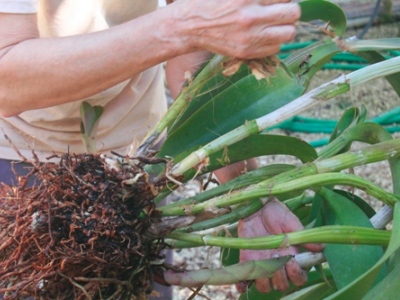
{"x":90,"y":116}
{"x":326,"y":11}
{"x":203,"y":89}
{"x":349,"y":118}
{"x":361,"y":203}
{"x":244,"y":100}
{"x":265,"y":144}
{"x":347,"y":262}
{"x":356,"y":289}
{"x":303,"y":213}
{"x":370,"y":133}
{"x":389,"y":288}
{"x":229,"y":256}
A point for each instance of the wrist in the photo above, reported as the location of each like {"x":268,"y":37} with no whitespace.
{"x":178,"y":28}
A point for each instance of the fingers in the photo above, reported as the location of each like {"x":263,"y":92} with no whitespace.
{"x":263,"y":285}
{"x":274,"y":218}
{"x":242,"y":286}
{"x":244,"y":28}
{"x":280,"y":14}
{"x":277,"y":219}
{"x":280,"y":280}
{"x":296,"y":274}
{"x":314,"y":247}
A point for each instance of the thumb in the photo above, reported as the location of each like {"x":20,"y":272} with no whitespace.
{"x":313,"y":247}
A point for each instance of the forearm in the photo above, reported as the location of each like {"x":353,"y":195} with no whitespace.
{"x":41,"y":72}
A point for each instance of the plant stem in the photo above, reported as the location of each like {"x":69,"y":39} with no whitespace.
{"x":239,"y":213}
{"x":287,"y":180}
{"x":328,"y":234}
{"x":308,"y":259}
{"x":252,"y":177}
{"x":374,"y":153}
{"x":227,"y":275}
{"x":315,"y":181}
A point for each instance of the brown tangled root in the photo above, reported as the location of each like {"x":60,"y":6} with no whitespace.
{"x":77,"y":234}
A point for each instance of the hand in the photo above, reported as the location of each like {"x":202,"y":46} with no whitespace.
{"x":238,"y":28}
{"x":274,"y":218}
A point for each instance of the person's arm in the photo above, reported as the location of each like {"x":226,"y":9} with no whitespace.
{"x":41,"y":72}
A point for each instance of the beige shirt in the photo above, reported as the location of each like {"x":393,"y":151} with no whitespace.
{"x":131,"y":108}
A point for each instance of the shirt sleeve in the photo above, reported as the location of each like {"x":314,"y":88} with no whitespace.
{"x":18,"y":6}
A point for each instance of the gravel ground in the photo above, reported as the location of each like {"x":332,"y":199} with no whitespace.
{"x":377,"y":97}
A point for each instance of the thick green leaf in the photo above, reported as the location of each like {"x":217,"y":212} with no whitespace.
{"x":349,"y":118}
{"x":303,"y":213}
{"x":356,"y":289}
{"x":326,"y":11}
{"x":370,"y":133}
{"x":229,"y":256}
{"x":309,"y":60}
{"x":266,"y":144}
{"x":389,"y":288}
{"x":206,"y":90}
{"x":244,"y":100}
{"x":361,"y":203}
{"x":90,"y":117}
{"x":347,"y":262}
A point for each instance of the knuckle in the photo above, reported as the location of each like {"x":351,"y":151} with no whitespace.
{"x":290,"y":33}
{"x":243,"y":47}
{"x":273,"y":49}
{"x":243,"y":52}
{"x":296,"y":12}
{"x":245,"y":20}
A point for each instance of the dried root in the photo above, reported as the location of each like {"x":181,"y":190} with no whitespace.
{"x":78,"y":235}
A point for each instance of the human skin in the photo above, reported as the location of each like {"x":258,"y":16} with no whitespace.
{"x":239,"y":28}
{"x":274,"y":218}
